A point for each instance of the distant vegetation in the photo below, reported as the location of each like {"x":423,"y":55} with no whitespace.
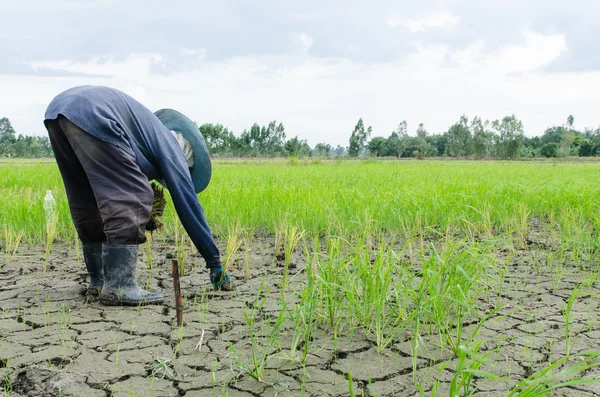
{"x":499,"y":139}
{"x":12,"y":145}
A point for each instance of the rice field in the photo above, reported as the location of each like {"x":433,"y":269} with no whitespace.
{"x":355,"y":278}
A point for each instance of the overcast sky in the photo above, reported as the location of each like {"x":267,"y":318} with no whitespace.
{"x":317,"y":66}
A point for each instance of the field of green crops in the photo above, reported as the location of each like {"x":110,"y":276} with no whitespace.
{"x":341,"y":199}
{"x":450,"y":266}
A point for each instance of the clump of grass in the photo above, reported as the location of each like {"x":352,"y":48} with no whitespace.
{"x":50,"y":236}
{"x":148,"y":255}
{"x":12,"y":241}
{"x":247,"y":239}
{"x":292,"y":237}
{"x":234,"y":242}
{"x":180,"y":246}
{"x":261,"y":348}
{"x":558,"y":375}
{"x":567,"y":315}
{"x":160,"y":366}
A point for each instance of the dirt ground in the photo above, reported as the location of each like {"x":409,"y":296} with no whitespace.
{"x":55,"y":342}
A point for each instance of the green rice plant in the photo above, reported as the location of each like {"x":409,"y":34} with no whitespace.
{"x":148,"y":255}
{"x":522,"y":226}
{"x":329,"y":279}
{"x":469,"y":362}
{"x":455,"y":291}
{"x":293,"y":315}
{"x":262,"y":350}
{"x":292,"y":237}
{"x":390,"y":322}
{"x":11,"y":242}
{"x":374,"y":297}
{"x":160,"y":366}
{"x":558,"y":375}
{"x":301,"y":317}
{"x":50,"y":236}
{"x":421,"y":300}
{"x":566,"y":315}
{"x":117,"y":350}
{"x":234,"y":242}
{"x":350,"y":384}
{"x":279,"y":239}
{"x":181,"y":250}
{"x":6,"y":381}
{"x":247,"y":239}
{"x":339,"y":198}
{"x":465,"y":371}
{"x":558,"y":271}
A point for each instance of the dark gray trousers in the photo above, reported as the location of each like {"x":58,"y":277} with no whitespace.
{"x":109,"y":197}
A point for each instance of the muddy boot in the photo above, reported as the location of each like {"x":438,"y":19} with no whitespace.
{"x":120,"y":286}
{"x":92,"y":255}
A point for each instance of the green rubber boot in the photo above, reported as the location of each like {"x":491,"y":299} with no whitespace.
{"x":92,"y":255}
{"x":120,"y":286}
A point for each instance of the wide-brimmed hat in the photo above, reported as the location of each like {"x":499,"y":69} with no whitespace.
{"x":201,"y":172}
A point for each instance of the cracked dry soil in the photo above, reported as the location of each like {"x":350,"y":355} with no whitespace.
{"x":56,"y":342}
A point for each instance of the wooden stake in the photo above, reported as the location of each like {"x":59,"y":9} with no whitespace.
{"x":177,"y":289}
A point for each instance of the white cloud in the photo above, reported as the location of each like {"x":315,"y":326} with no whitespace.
{"x":197,"y":53}
{"x":135,"y":65}
{"x":306,"y":41}
{"x":533,"y":52}
{"x":438,"y":20}
{"x":321,"y":99}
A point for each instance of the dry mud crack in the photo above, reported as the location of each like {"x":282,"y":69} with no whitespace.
{"x":56,"y":342}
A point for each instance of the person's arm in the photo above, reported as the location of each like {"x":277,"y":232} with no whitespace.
{"x":173,"y":167}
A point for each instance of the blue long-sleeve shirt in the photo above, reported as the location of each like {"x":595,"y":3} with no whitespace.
{"x":117,"y":118}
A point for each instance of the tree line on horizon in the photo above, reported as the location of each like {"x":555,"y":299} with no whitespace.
{"x":504,"y":139}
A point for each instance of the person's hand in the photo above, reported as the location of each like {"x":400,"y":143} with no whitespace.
{"x":221,"y":280}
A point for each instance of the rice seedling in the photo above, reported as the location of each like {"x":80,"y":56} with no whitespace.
{"x":558,"y":375}
{"x":50,"y":236}
{"x":567,"y":314}
{"x":247,"y":240}
{"x":291,"y":239}
{"x":261,"y":349}
{"x":234,"y":242}
{"x":160,"y":366}
{"x":148,"y":254}
{"x":328,"y":278}
{"x":11,"y":243}
{"x":180,"y":246}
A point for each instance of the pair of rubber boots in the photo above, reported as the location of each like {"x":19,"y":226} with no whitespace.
{"x":112,"y":275}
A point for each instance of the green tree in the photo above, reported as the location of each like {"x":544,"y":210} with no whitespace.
{"x":378,"y":146}
{"x":549,"y":150}
{"x":483,"y":138}
{"x":358,"y":139}
{"x":586,"y":148}
{"x":509,"y":136}
{"x":421,"y":141}
{"x":439,"y":142}
{"x":340,"y":151}
{"x":396,"y":142}
{"x":273,"y":139}
{"x":297,"y":147}
{"x":217,"y":137}
{"x":7,"y":137}
{"x":323,"y":150}
{"x":460,"y":138}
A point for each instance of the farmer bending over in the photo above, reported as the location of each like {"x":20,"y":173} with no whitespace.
{"x":108,"y":147}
